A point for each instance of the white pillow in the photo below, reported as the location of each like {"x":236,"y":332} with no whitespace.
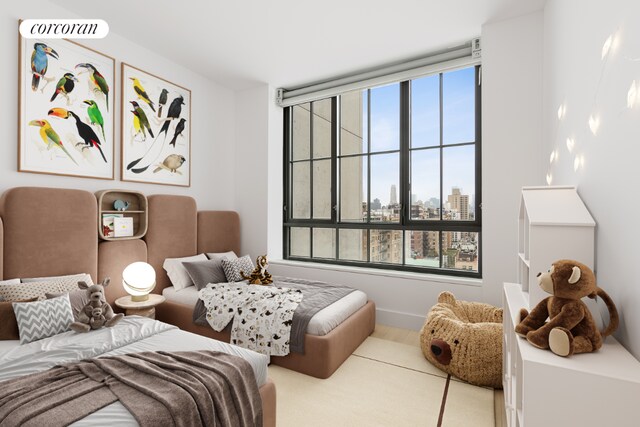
{"x":9,"y":282}
{"x":220,"y":255}
{"x":42,"y":319}
{"x":177,"y":273}
{"x":23,"y":291}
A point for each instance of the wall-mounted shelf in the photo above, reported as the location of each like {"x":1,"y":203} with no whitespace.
{"x":137,"y":210}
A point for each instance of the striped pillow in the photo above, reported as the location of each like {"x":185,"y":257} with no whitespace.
{"x":42,"y":319}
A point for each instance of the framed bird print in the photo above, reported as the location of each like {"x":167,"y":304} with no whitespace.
{"x":66,"y":121}
{"x":156,"y":129}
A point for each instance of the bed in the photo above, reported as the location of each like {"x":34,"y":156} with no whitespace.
{"x":37,"y":222}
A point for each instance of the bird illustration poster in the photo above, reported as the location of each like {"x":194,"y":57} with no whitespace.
{"x":66,"y":109}
{"x":156,"y":129}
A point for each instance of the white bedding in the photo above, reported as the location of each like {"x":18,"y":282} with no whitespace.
{"x":131,"y":335}
{"x":322,"y":323}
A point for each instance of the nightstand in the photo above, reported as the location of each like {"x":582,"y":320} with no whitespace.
{"x":140,"y":308}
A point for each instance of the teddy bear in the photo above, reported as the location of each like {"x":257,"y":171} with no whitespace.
{"x":571,"y":328}
{"x":260,"y":275}
{"x":97,"y":313}
{"x":464,"y":339}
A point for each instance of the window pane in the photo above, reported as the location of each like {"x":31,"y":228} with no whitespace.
{"x":385,"y":186}
{"x":301,"y":132}
{"x":385,"y":118}
{"x":322,"y":128}
{"x":425,"y":111}
{"x":458,"y":106}
{"x":460,"y":250}
{"x":386,"y":246}
{"x":425,"y":184}
{"x":353,"y":188}
{"x":353,"y":123}
{"x":300,"y":242}
{"x":422,"y":248}
{"x":459,"y":182}
{"x":322,"y":189}
{"x":301,"y":184}
{"x":324,"y":243}
{"x":353,"y":245}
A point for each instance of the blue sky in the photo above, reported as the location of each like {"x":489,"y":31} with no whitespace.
{"x":458,"y":126}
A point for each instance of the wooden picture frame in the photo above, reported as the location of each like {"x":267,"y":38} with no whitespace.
{"x":156,"y":129}
{"x":66,"y":118}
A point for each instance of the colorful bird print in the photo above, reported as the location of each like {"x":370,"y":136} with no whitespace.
{"x":162,"y":101}
{"x":137,"y":126}
{"x":142,"y":117}
{"x":178,"y":131}
{"x":98,"y":80}
{"x":171,"y":164}
{"x":65,"y":86}
{"x":142,"y":94}
{"x":95,"y":116}
{"x":174,"y":112}
{"x":84,"y":130}
{"x":40,"y":62}
{"x":50,"y":137}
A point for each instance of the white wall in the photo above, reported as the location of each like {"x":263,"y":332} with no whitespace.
{"x":511,"y":139}
{"x":575,"y":74}
{"x":512,"y":107}
{"x":213,"y":116}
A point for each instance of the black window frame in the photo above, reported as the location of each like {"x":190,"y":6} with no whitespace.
{"x":406,"y":223}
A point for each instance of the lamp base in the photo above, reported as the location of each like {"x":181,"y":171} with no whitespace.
{"x":140,"y":298}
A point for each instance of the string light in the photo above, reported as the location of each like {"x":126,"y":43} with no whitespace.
{"x":632,"y":95}
{"x":549,"y":178}
{"x":607,"y":46}
{"x":562,"y":110}
{"x":570,"y":144}
{"x":594,"y":123}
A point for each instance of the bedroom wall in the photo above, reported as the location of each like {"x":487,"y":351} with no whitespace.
{"x":511,"y":158}
{"x":577,"y":75}
{"x":213,"y":116}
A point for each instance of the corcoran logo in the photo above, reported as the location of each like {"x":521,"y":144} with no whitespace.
{"x":64,"y":29}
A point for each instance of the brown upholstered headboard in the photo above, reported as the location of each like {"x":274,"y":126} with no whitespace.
{"x":49,"y":232}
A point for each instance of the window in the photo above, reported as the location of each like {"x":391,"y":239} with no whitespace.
{"x":387,"y":177}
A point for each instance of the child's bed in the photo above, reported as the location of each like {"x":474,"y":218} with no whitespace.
{"x":51,"y":232}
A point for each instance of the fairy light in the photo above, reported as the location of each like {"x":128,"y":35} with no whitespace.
{"x":594,"y":123}
{"x":570,"y":144}
{"x":562,"y":110}
{"x":549,"y":178}
{"x":632,"y":95}
{"x":606,"y":47}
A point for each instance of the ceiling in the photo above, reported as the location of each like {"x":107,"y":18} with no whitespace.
{"x":288,"y":43}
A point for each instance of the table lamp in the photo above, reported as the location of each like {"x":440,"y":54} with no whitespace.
{"x":139,"y":279}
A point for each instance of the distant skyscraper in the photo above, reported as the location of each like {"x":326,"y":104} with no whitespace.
{"x":376,"y":204}
{"x":393,"y":200}
{"x":459,"y":202}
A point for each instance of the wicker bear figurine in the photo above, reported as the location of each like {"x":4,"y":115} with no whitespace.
{"x":571,"y":328}
{"x":97,"y":313}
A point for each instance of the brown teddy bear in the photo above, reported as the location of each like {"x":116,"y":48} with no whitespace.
{"x":571,"y":328}
{"x":97,"y":313}
{"x":464,"y":339}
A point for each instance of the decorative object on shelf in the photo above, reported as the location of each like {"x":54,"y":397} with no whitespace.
{"x":66,"y":125}
{"x":123,"y":227}
{"x":108,"y":225}
{"x":156,"y":141}
{"x":260,"y":275}
{"x":464,"y":339}
{"x":97,"y":313}
{"x":121,"y":205}
{"x":139,"y":279}
{"x":571,"y":328}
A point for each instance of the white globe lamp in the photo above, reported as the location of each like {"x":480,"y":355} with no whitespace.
{"x":139,"y":279}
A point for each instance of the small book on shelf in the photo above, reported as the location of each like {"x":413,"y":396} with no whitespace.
{"x":108,"y":226}
{"x":123,"y":226}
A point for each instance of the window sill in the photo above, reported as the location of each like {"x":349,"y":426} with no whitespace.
{"x":427,"y":277}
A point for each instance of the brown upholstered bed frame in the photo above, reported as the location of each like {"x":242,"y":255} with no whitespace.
{"x":49,"y":232}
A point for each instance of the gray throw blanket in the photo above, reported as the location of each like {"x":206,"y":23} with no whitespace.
{"x":316,"y":296}
{"x":195,"y":388}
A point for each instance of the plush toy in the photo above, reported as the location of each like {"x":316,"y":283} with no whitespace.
{"x":464,"y":339}
{"x":571,"y":328}
{"x":97,"y":313}
{"x":260,"y":275}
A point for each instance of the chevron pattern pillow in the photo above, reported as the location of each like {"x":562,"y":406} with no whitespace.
{"x":233,"y":267}
{"x":42,"y":319}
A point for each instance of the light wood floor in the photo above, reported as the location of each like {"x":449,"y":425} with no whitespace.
{"x":406,"y":336}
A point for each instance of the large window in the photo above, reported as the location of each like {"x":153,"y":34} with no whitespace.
{"x":387,"y":177}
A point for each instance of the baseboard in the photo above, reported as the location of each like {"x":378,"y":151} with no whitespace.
{"x":399,"y":320}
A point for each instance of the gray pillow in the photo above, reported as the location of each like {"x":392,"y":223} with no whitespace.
{"x":42,"y":319}
{"x":204,"y":272}
{"x":77,"y":299}
{"x":233,"y":268}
